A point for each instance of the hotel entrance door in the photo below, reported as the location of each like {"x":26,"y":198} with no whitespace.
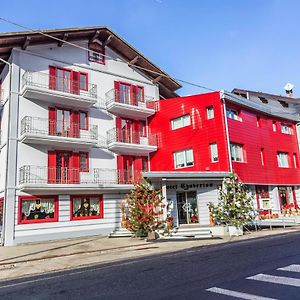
{"x":187,"y":207}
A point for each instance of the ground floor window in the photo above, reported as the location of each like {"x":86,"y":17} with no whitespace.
{"x":38,"y":209}
{"x":287,"y":197}
{"x":86,"y":207}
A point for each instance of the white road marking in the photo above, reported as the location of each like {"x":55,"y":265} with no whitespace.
{"x":276,"y":279}
{"x":291,"y":268}
{"x":239,"y":295}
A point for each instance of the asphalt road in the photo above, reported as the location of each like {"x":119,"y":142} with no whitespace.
{"x":224,"y":269}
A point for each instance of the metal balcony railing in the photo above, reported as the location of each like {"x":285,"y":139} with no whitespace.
{"x":62,"y":84}
{"x":129,"y":98}
{"x":43,"y":126}
{"x":130,"y":137}
{"x":38,"y":175}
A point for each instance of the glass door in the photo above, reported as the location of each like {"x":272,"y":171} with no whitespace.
{"x":63,"y":122}
{"x":187,"y":207}
{"x":124,"y":93}
{"x":63,"y":80}
{"x":63,"y":172}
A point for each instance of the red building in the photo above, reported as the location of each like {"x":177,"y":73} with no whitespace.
{"x":201,"y":138}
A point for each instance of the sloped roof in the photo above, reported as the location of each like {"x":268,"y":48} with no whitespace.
{"x":10,"y":40}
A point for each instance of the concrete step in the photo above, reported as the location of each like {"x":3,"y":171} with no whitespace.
{"x":120,"y":232}
{"x":191,"y":232}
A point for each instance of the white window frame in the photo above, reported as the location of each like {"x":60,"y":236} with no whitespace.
{"x":183,"y":121}
{"x":283,"y":159}
{"x":185,"y":163}
{"x":237,"y":152}
{"x":286,"y":129}
{"x":233,"y":114}
{"x":210,"y":112}
{"x":214,"y":156}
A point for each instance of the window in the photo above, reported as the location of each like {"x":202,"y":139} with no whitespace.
{"x":262,"y":156}
{"x":274,"y":126}
{"x":144,"y":164}
{"x":183,"y":158}
{"x":236,"y":152}
{"x":181,"y":122}
{"x":283,"y":159}
{"x":258,"y":121}
{"x":86,"y":207}
{"x":233,"y":114}
{"x":210,"y":113}
{"x":37,"y":209}
{"x":143,"y":129}
{"x":83,"y":120}
{"x":214,"y":152}
{"x":295,"y":159}
{"x":286,"y":129}
{"x":98,"y":54}
{"x":83,"y":81}
{"x":140,"y":93}
{"x":84,"y":161}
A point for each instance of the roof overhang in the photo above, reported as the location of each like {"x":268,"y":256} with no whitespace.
{"x":269,"y":110}
{"x":185,"y":176}
{"x":23,"y":39}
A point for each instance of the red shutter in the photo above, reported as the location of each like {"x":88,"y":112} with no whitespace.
{"x":136,"y":129}
{"x":117,"y":91}
{"x":51,"y":167}
{"x":74,"y":169}
{"x":52,"y":121}
{"x":75,"y":82}
{"x":133,"y":94}
{"x":120,"y":169}
{"x":52,"y":78}
{"x":75,"y":127}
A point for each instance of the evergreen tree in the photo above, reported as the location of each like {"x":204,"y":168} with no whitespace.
{"x":235,"y":206}
{"x":142,"y":209}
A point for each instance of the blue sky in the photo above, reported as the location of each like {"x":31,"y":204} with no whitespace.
{"x":221,"y":44}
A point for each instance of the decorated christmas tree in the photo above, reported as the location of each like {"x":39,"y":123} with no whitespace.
{"x":235,"y":205}
{"x":142,"y":209}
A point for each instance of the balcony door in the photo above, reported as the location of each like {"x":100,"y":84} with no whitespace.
{"x":63,"y":122}
{"x":63,"y":80}
{"x":126,"y":131}
{"x":63,"y":167}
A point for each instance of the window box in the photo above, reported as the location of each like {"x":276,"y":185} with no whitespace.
{"x":38,"y":209}
{"x":87,"y":207}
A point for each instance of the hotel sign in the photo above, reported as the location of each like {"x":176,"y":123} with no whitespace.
{"x":188,"y":186}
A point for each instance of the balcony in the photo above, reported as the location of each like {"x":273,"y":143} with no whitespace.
{"x":62,"y":91}
{"x":129,"y":142}
{"x":39,"y":178}
{"x":129,"y":105}
{"x":60,"y":134}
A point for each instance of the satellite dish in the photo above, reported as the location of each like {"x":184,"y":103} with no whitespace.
{"x":289,"y":87}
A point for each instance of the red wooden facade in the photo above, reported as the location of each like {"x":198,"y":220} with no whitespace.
{"x":254,"y":131}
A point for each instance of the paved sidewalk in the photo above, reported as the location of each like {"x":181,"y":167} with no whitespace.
{"x":38,"y":258}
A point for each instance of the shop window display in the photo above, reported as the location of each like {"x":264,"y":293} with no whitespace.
{"x":87,"y":207}
{"x":34,"y":210}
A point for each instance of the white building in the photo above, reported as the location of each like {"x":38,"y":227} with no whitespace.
{"x":74,"y":130}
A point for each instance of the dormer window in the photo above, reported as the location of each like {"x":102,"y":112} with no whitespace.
{"x":98,"y":54}
{"x":263,"y":99}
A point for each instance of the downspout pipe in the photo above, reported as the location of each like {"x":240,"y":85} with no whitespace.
{"x":222,"y":96}
{"x":7,"y":145}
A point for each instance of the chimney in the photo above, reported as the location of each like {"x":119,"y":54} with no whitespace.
{"x":289,"y":90}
